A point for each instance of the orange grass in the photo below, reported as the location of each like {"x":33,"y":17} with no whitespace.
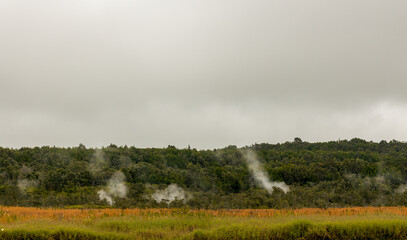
{"x":10,"y":214}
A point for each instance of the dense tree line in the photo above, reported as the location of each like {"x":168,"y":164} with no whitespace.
{"x":329,"y":174}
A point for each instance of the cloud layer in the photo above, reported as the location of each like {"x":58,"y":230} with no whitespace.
{"x":204,"y":73}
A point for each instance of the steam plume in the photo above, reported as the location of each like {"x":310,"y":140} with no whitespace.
{"x":24,"y":184}
{"x":98,"y":161}
{"x":401,"y":189}
{"x":115,"y":188}
{"x":260,"y":175}
{"x":171,"y":193}
{"x":103,"y":195}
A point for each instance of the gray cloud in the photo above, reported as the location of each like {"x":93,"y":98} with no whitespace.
{"x":204,"y":73}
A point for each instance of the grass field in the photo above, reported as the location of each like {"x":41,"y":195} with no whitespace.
{"x":345,"y":223}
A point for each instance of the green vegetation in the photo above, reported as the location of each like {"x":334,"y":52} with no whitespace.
{"x":211,"y":227}
{"x":331,"y":174}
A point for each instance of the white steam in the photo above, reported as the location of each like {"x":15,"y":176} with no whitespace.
{"x":171,"y":193}
{"x":401,"y":189}
{"x":115,"y":187}
{"x":256,"y":168}
{"x":103,"y":195}
{"x":98,"y":161}
{"x":24,"y":185}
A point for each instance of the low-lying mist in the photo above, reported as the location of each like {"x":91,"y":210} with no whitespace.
{"x":171,"y":193}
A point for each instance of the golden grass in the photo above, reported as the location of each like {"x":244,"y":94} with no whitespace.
{"x":164,"y":223}
{"x":7,"y":214}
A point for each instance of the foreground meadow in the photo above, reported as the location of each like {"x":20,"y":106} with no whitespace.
{"x":341,"y":223}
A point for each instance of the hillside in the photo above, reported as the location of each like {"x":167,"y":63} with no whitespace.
{"x":330,"y":174}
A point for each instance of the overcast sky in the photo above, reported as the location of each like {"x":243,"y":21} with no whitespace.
{"x":205,"y":73}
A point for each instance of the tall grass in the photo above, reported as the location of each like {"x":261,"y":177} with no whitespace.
{"x":307,"y":230}
{"x":346,"y":223}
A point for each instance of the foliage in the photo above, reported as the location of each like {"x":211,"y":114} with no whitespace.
{"x":329,"y":174}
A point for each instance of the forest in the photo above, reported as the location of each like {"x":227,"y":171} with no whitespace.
{"x":343,"y":173}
